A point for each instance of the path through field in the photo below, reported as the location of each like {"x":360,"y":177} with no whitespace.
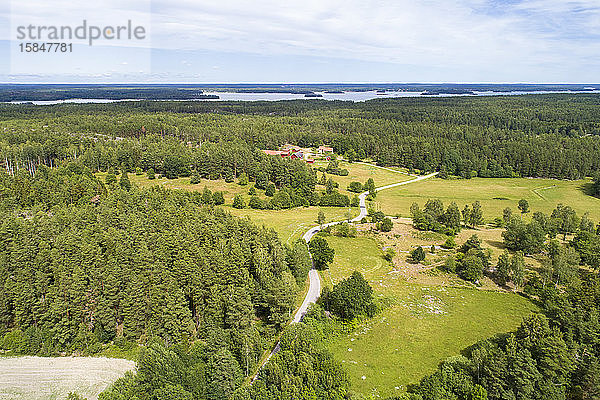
{"x":49,"y":378}
{"x":314,"y":290}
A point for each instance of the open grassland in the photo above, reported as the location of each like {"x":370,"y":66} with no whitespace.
{"x":49,"y":378}
{"x":495,"y":194}
{"x":359,"y":172}
{"x":424,"y":324}
{"x":229,"y":189}
{"x":292,"y":224}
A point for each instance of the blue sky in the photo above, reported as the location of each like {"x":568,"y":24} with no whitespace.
{"x":204,"y":41}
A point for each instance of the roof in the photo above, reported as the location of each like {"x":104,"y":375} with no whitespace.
{"x":274,"y":152}
{"x":325,"y":148}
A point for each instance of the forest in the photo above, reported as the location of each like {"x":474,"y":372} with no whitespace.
{"x":554,"y":136}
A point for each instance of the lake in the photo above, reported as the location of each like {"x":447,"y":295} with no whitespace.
{"x":346,"y":96}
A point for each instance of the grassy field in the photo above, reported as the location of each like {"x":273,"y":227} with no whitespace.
{"x":362,"y":172}
{"x":292,"y":224}
{"x":229,"y":189}
{"x":49,"y":378}
{"x":425,"y":324}
{"x":495,"y":194}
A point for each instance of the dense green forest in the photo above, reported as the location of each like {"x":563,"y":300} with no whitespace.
{"x":139,"y":264}
{"x":537,"y":135}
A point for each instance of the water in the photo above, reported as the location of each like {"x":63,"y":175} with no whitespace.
{"x":347,"y":96}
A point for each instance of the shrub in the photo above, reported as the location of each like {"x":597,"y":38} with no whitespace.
{"x":418,"y":254}
{"x":386,"y":225}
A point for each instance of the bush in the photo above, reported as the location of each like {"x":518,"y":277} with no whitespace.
{"x":150,"y":174}
{"x":386,"y":225}
{"x":450,"y":243}
{"x":389,"y":254}
{"x":238,"y":201}
{"x":13,"y":340}
{"x":355,"y":187}
{"x":418,"y":254}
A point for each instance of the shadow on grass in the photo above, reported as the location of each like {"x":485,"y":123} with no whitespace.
{"x":588,"y":189}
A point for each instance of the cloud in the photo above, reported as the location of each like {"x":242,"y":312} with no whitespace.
{"x":518,"y":40}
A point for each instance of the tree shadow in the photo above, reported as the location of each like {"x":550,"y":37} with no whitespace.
{"x":587,"y":188}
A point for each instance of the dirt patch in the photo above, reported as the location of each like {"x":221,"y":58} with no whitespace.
{"x":37,"y":378}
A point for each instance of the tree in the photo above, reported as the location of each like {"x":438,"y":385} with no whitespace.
{"x":566,"y":219}
{"x":243,"y":179}
{"x":356,"y":187}
{"x":321,"y":217}
{"x":111,"y":180}
{"x":386,"y":225}
{"x":466,"y":214}
{"x":506,"y":215}
{"x":471,"y":268}
{"x":207,"y":196}
{"x":321,"y":253}
{"x":252,"y":191}
{"x":523,"y":206}
{"x":503,"y":268}
{"x":218,"y":198}
{"x":517,"y":269}
{"x":369,"y":186}
{"x":238,"y":201}
{"x":452,"y":217}
{"x":124,"y":181}
{"x":262,"y":180}
{"x":417,"y":254}
{"x":195,"y":179}
{"x":476,"y":217}
{"x":150,"y":174}
{"x":270,"y":190}
{"x":224,"y":375}
{"x":351,"y":298}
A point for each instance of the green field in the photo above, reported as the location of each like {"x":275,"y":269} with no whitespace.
{"x":495,"y":194}
{"x":229,"y":189}
{"x":424,"y":325}
{"x":361,"y":172}
{"x":292,"y":224}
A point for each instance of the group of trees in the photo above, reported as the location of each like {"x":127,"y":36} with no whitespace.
{"x":81,"y":266}
{"x":470,"y":261}
{"x":350,"y":298}
{"x":531,"y":237}
{"x":433,"y":217}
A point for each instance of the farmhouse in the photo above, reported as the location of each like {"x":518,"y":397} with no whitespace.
{"x":324,"y":149}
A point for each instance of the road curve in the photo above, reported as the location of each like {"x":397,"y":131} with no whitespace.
{"x":314,"y":289}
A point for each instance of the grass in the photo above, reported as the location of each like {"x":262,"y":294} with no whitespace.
{"x":425,"y":324}
{"x":495,"y":194}
{"x":361,"y":172}
{"x":229,"y":189}
{"x":292,"y":224}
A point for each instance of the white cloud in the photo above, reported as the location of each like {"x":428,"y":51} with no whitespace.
{"x":514,"y":38}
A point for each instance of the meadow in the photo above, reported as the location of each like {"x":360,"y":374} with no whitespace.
{"x":495,"y":194}
{"x":422,"y":324}
{"x":361,"y":172}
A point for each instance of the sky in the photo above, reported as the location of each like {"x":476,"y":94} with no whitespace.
{"x":231,"y":41}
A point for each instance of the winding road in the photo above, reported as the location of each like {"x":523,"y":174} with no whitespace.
{"x":314,"y":289}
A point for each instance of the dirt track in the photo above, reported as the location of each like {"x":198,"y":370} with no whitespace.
{"x":37,"y":378}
